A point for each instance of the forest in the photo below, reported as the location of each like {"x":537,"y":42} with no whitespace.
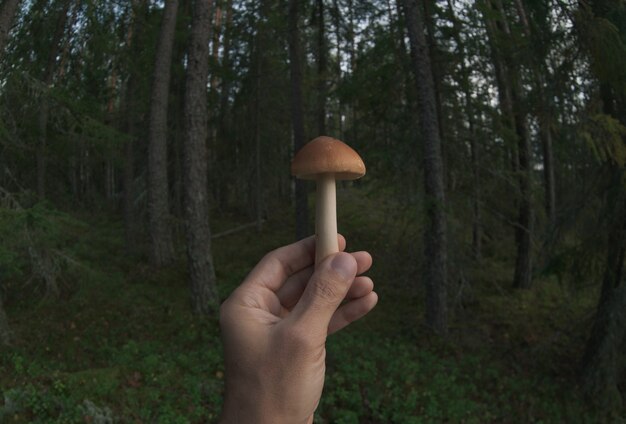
{"x":145,"y":151}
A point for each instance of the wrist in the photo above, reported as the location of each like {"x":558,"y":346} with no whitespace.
{"x":242,"y":410}
{"x":239,"y":416}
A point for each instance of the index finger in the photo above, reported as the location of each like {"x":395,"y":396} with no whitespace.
{"x":278,"y":265}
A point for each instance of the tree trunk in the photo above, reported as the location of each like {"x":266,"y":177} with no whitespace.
{"x":548,"y":163}
{"x":474,"y":147}
{"x":226,"y":64}
{"x":510,"y":98}
{"x":129,"y":169}
{"x":7,"y":15}
{"x":44,"y":111}
{"x":42,"y":126}
{"x":544,"y":116}
{"x":109,"y":184}
{"x":215,"y":169}
{"x":177,"y":98}
{"x":258,"y":183}
{"x":297,"y":117}
{"x":8,"y":10}
{"x":523,"y":264}
{"x":204,"y":297}
{"x":435,"y":65}
{"x":132,"y":40}
{"x":260,"y":66}
{"x":321,"y":69}
{"x":477,"y":230}
{"x":217,"y":29}
{"x":110,"y":120}
{"x":162,"y":251}
{"x":602,"y":363}
{"x":435,"y":246}
{"x":336,"y":16}
{"x":5,"y":331}
{"x":221,"y":182}
{"x":351,"y":41}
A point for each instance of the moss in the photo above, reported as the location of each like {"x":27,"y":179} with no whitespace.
{"x":122,"y":341}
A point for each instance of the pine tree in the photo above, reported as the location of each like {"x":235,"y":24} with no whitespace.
{"x":196,"y":203}
{"x":7,"y":14}
{"x":162,"y":251}
{"x":435,"y":246}
{"x":297,"y":115}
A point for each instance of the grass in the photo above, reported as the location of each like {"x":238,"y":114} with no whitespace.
{"x":120,"y":345}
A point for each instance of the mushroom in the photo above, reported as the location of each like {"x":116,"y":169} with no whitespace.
{"x":326,"y":159}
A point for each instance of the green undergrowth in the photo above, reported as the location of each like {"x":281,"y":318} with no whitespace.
{"x":120,"y":343}
{"x":376,"y":379}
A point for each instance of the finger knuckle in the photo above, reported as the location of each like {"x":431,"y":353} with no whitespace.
{"x":276,"y":258}
{"x":326,"y":289}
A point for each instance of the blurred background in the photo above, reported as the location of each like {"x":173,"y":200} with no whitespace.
{"x":144,"y":169}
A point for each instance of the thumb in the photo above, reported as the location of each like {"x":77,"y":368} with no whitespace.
{"x":324,"y":292}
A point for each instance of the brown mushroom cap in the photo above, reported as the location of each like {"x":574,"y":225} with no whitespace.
{"x":324,"y":155}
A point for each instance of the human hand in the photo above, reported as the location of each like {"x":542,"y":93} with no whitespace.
{"x":274,"y":329}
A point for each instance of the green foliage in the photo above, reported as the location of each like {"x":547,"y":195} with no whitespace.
{"x":36,"y":241}
{"x":605,"y":43}
{"x":605,"y":137}
{"x":389,"y":380}
{"x":124,"y":346}
{"x":120,"y":344}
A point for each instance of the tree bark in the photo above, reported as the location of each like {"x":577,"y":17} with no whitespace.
{"x":435,"y":245}
{"x":44,"y":111}
{"x":510,"y":98}
{"x":204,"y":297}
{"x":336,"y":17}
{"x":258,"y":184}
{"x":435,"y":61}
{"x":177,"y":98}
{"x":351,"y":41}
{"x":5,"y":330}
{"x":544,"y":116}
{"x":474,"y":147}
{"x":134,"y":31}
{"x":217,"y":29}
{"x":129,"y":169}
{"x":602,"y":365}
{"x":523,"y":264}
{"x":321,"y":69}
{"x":226,"y":64}
{"x":7,"y":15}
{"x":221,"y":183}
{"x":297,"y":117}
{"x":258,"y":95}
{"x":548,"y":163}
{"x":110,"y":120}
{"x":162,"y":251}
{"x":214,"y":167}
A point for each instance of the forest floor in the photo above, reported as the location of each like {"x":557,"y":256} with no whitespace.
{"x":120,"y":344}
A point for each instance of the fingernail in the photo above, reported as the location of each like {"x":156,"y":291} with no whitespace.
{"x":344,"y":265}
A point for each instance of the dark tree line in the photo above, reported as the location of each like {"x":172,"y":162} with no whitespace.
{"x":507,"y":116}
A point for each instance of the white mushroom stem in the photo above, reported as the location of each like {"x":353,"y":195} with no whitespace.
{"x":325,"y":218}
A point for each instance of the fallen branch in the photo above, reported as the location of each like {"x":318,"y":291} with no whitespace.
{"x":235,"y":230}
